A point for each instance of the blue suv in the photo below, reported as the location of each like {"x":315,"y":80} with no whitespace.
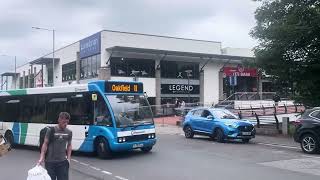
{"x":216,"y":123}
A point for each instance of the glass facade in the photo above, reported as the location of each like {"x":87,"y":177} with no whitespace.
{"x":127,"y":66}
{"x":90,"y":66}
{"x":69,"y":71}
{"x":177,"y":70}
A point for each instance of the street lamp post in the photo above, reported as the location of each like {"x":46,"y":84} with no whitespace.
{"x":53,"y":42}
{"x":188,"y":75}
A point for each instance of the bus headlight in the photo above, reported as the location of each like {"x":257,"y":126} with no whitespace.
{"x":153,"y":136}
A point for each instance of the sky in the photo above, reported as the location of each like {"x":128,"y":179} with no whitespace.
{"x":228,"y":21}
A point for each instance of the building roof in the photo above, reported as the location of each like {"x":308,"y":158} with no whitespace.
{"x":176,"y":53}
{"x":44,"y":60}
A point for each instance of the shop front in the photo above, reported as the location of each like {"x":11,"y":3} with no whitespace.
{"x":239,"y":80}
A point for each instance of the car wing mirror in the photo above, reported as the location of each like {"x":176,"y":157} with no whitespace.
{"x":210,"y":117}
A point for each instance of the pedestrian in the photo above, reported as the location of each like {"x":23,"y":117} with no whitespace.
{"x":276,"y":99}
{"x":56,"y":151}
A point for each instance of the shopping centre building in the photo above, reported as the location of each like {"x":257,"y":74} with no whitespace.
{"x":170,"y":67}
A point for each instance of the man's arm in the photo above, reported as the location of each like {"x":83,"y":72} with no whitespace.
{"x":44,"y":149}
{"x":69,"y":148}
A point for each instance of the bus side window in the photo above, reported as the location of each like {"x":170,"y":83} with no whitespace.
{"x":56,"y":103}
{"x":102,"y":113}
{"x":11,"y":109}
{"x":80,"y":109}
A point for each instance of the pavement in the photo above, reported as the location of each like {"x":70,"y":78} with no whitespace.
{"x":177,"y":158}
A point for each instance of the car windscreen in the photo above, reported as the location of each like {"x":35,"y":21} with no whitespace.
{"x":223,"y":114}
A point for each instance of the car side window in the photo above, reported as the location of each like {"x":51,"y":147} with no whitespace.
{"x":205,"y":114}
{"x":315,"y":114}
{"x":198,"y":113}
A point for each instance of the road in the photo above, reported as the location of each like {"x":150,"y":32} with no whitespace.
{"x":175,"y":157}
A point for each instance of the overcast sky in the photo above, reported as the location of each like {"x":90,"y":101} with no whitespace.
{"x":227,"y":21}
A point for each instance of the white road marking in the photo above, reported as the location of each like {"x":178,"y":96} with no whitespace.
{"x":98,"y":169}
{"x":95,"y":168}
{"x":74,"y":160}
{"x":121,"y":178}
{"x":106,"y":172}
{"x":85,"y":164}
{"x":278,"y":145}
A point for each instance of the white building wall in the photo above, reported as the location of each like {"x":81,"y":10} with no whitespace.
{"x":238,"y":52}
{"x":111,"y":38}
{"x":211,"y":83}
{"x":149,"y":84}
{"x":66,"y":55}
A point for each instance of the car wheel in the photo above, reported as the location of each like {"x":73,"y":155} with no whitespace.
{"x":245,"y":140}
{"x":188,"y":132}
{"x":220,"y":135}
{"x":9,"y":139}
{"x":103,"y":149}
{"x":146,"y":149}
{"x":309,"y":144}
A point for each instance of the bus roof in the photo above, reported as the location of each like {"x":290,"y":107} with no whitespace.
{"x":46,"y":90}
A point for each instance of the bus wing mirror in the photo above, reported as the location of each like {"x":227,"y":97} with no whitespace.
{"x":145,"y":94}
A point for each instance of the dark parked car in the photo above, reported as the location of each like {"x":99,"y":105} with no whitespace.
{"x":308,"y":131}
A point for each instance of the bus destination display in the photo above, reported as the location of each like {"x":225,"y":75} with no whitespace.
{"x":123,"y":87}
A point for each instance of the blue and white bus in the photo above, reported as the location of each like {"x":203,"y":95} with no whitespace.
{"x":106,"y":116}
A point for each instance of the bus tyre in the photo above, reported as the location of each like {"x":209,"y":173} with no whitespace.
{"x":103,"y":149}
{"x":146,"y":149}
{"x":9,"y":138}
{"x":220,"y":135}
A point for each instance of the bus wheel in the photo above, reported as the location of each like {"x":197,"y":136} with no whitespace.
{"x":103,"y":149}
{"x":9,"y":138}
{"x":146,"y":149}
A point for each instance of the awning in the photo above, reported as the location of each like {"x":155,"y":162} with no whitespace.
{"x":44,"y":61}
{"x":10,"y":74}
{"x":177,"y":53}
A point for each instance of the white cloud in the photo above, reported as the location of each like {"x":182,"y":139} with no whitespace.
{"x":226,"y":21}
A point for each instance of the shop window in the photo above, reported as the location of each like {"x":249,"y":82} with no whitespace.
{"x":176,"y":70}
{"x":89,"y":67}
{"x":69,"y":71}
{"x":127,"y":66}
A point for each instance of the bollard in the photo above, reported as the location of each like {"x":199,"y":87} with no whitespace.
{"x":258,"y":121}
{"x":285,"y":125}
{"x":277,"y":121}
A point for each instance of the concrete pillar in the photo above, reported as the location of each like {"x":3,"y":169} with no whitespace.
{"x":24,"y":80}
{"x":34,"y":77}
{"x":285,"y":125}
{"x":78,"y":70}
{"x":105,"y":73}
{"x":158,"y":86}
{"x":1,"y":82}
{"x":6,"y":82}
{"x":260,"y":90}
{"x":29,"y":78}
{"x":201,"y":78}
{"x":221,"y":97}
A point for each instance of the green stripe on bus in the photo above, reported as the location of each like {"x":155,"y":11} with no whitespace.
{"x":23,"y":134}
{"x":17,"y":92}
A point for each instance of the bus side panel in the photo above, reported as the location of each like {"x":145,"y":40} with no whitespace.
{"x":95,"y":131}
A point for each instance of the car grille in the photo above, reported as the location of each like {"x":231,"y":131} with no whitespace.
{"x":137,"y":138}
{"x":245,"y":128}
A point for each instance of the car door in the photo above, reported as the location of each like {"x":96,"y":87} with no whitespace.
{"x":207,"y":123}
{"x":196,"y":120}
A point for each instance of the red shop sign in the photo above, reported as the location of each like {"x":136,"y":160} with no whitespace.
{"x":240,"y":71}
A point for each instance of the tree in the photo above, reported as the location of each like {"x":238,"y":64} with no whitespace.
{"x":288,"y":32}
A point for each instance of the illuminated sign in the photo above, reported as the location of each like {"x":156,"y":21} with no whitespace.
{"x":123,"y":87}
